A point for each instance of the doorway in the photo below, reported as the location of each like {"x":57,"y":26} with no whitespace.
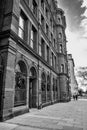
{"x":32,"y":88}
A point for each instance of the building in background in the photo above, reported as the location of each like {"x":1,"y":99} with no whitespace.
{"x":72,"y":77}
{"x":33,"y":56}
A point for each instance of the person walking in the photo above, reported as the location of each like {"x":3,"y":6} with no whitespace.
{"x":73,"y":96}
{"x":76,"y":97}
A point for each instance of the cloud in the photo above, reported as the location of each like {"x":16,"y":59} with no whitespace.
{"x":75,"y":10}
{"x":83,"y":23}
{"x":76,"y":31}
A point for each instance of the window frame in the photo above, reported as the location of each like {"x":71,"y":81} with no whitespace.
{"x":22,"y":28}
{"x":33,"y":38}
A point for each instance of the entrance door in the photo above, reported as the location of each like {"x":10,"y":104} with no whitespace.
{"x":32,"y":93}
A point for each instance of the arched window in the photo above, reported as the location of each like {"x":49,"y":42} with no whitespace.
{"x":20,"y":84}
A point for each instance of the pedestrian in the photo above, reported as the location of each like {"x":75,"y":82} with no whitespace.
{"x":76,"y":96}
{"x":73,"y":96}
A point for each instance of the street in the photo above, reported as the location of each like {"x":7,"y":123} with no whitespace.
{"x":61,"y":116}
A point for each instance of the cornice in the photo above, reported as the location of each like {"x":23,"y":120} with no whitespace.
{"x":63,"y":74}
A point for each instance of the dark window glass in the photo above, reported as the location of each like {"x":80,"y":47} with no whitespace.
{"x":34,"y":7}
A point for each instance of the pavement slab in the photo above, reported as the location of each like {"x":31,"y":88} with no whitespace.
{"x":6,"y":126}
{"x":61,"y":116}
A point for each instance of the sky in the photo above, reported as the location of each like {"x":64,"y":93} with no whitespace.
{"x":76,"y":31}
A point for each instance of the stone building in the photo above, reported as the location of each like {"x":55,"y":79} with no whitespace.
{"x":72,"y":77}
{"x":33,"y":56}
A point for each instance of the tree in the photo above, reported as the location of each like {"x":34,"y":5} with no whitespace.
{"x":81,"y":74}
{"x":80,"y":91}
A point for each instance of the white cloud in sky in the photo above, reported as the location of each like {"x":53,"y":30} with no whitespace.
{"x":84,"y":4}
{"x":76,"y":31}
{"x":77,"y":47}
{"x":84,"y":21}
{"x":77,"y":42}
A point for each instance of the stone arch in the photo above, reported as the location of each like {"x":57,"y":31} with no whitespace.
{"x":25,"y":62}
{"x":20,"y":83}
{"x":35,"y":67}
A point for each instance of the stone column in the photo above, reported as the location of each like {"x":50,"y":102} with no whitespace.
{"x":51,"y":88}
{"x":39,"y":89}
{"x":9,"y":85}
{"x":11,"y":15}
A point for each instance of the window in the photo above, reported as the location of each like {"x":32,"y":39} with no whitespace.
{"x":54,"y":44}
{"x":33,"y":43}
{"x":42,"y":21}
{"x":42,"y":48}
{"x":62,"y":68}
{"x":60,"y":35}
{"x":60,"y":48}
{"x":47,"y":30}
{"x":20,"y":84}
{"x":22,"y":32}
{"x":34,"y":7}
{"x":47,"y":54}
{"x":51,"y":59}
{"x":55,"y":62}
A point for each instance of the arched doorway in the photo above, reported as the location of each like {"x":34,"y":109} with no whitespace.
{"x":32,"y":88}
{"x":20,"y":84}
{"x":1,"y":87}
{"x":43,"y":87}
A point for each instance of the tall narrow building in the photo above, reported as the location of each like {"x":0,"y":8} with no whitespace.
{"x":73,"y":82}
{"x":33,"y":56}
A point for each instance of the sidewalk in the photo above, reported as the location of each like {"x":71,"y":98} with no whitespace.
{"x":61,"y":116}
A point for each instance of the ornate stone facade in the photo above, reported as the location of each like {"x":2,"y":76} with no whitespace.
{"x":33,"y":56}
